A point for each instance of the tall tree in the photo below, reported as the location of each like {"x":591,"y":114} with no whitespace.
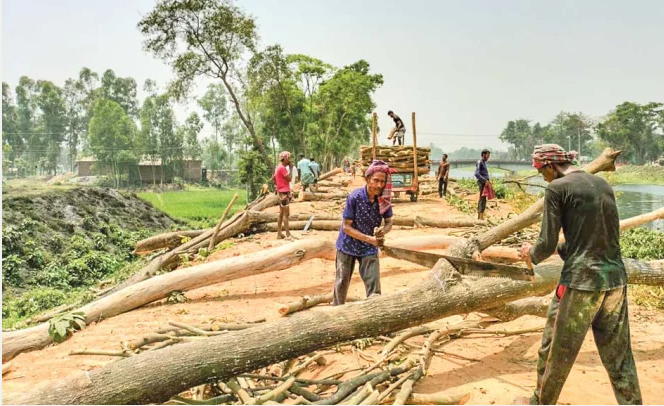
{"x":121,"y":91}
{"x":189,"y":133}
{"x":571,"y":130}
{"x":10,"y":130}
{"x":215,"y":108}
{"x":209,"y":38}
{"x":111,"y":136}
{"x":52,"y":122}
{"x":636,"y":129}
{"x":344,"y":106}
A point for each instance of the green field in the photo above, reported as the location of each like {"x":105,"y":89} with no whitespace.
{"x":198,"y":207}
{"x":633,"y":174}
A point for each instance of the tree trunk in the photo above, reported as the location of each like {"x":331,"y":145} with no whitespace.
{"x":156,"y":376}
{"x":166,"y":240}
{"x":322,"y":225}
{"x":447,"y":223}
{"x":159,"y":287}
{"x":330,"y":173}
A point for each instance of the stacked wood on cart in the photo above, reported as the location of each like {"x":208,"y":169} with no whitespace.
{"x":398,"y":157}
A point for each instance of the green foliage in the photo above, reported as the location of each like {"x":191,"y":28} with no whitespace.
{"x":636,"y":129}
{"x":90,"y":268}
{"x":54,"y":275}
{"x":641,"y":243}
{"x":35,"y":301}
{"x":61,"y":327}
{"x":460,"y":204}
{"x":253,"y":172}
{"x":569,"y":130}
{"x":631,"y":174}
{"x":12,"y":265}
{"x":11,"y":240}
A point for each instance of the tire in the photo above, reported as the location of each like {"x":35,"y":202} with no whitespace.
{"x":413,"y":197}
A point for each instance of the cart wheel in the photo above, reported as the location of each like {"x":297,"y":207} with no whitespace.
{"x":413,"y":197}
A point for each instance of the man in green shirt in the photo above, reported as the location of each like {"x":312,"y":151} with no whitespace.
{"x":592,"y":292}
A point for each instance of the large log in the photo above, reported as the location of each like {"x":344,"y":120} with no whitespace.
{"x":159,"y":287}
{"x":165,"y":240}
{"x":156,"y":376}
{"x":331,"y":173}
{"x":448,"y":222}
{"x":322,"y":225}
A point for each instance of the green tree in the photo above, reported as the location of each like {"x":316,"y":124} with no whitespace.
{"x":636,"y":129}
{"x":190,"y":130}
{"x":570,"y":130}
{"x":10,"y":130}
{"x":344,"y":105}
{"x":111,"y":137}
{"x":121,"y":91}
{"x":51,"y":122}
{"x":210,"y":38}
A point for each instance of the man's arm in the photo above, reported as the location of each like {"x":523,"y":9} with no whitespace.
{"x":447,"y":172}
{"x":440,"y":171}
{"x":355,"y":233}
{"x":551,"y":224}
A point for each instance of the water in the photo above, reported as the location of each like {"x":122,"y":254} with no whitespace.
{"x":640,"y":199}
{"x":632,"y":200}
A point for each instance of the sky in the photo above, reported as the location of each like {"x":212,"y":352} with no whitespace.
{"x":465,"y":67}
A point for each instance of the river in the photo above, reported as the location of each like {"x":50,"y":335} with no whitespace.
{"x":632,"y":199}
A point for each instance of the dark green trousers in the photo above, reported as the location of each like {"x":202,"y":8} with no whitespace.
{"x":571,"y":314}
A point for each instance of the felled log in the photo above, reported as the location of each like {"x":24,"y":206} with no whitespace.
{"x":6,"y":367}
{"x":331,"y":173}
{"x":329,"y":183}
{"x":315,"y":197}
{"x":439,"y":398}
{"x":165,"y":240}
{"x":642,"y":219}
{"x":159,"y":287}
{"x":322,"y":225}
{"x":447,"y":223}
{"x":156,"y":376}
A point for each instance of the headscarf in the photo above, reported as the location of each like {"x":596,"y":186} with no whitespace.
{"x":384,"y":201}
{"x":284,"y":155}
{"x":546,"y":154}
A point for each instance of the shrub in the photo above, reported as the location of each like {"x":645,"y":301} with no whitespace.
{"x":11,"y":268}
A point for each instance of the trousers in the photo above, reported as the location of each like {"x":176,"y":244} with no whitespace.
{"x":571,"y":314}
{"x":369,"y":271}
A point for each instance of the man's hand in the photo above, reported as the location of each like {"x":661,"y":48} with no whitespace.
{"x":524,"y":253}
{"x":376,"y":242}
{"x":379,"y":232}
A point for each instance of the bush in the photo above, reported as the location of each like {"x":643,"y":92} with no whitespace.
{"x":90,"y":268}
{"x":53,"y":275}
{"x":641,"y":243}
{"x":11,"y":241}
{"x":11,"y":268}
{"x":35,"y":301}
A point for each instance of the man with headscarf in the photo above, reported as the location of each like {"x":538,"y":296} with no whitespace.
{"x":592,"y":292}
{"x":282,"y":178}
{"x":361,"y":233}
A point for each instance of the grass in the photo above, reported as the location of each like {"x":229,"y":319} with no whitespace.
{"x":633,"y":174}
{"x":196,"y":206}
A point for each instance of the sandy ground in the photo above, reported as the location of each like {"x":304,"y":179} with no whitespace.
{"x":504,"y":368}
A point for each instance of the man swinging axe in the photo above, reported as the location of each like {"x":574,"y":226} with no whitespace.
{"x":592,"y":292}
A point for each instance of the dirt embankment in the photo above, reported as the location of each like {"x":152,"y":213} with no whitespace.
{"x":69,"y":238}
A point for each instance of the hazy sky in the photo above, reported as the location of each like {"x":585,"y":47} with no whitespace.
{"x":465,"y":67}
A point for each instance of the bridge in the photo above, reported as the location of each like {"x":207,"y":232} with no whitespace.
{"x":508,"y":165}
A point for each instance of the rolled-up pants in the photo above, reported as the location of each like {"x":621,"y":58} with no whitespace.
{"x":571,"y":313}
{"x":369,"y":271}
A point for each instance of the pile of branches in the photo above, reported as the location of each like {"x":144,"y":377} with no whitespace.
{"x":398,"y":157}
{"x":390,"y":367}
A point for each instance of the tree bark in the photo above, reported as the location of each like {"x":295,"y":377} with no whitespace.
{"x":330,"y":173}
{"x":448,"y":223}
{"x":159,"y":287}
{"x":165,"y":240}
{"x":156,"y":376}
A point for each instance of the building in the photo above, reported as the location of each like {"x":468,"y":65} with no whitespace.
{"x":150,"y":171}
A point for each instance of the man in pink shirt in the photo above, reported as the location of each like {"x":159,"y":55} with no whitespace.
{"x":282,"y":178}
